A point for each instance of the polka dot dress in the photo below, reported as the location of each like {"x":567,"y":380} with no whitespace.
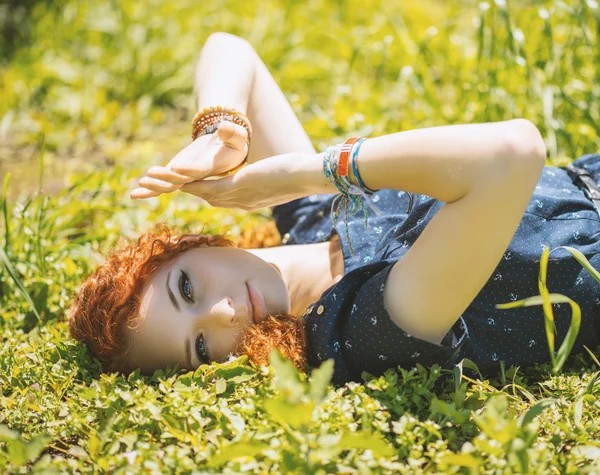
{"x":350,"y":324}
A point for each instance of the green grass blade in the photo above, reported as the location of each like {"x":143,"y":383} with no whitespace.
{"x":577,"y":254}
{"x":42,"y":156}
{"x":592,"y":355}
{"x":559,"y":359}
{"x":546,"y":304}
{"x":11,"y":270}
{"x":567,"y":345}
{"x":5,"y":210}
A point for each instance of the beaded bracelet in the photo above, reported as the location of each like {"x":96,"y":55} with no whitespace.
{"x":209,"y":115}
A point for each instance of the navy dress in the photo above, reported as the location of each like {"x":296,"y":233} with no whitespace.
{"x":350,"y":324}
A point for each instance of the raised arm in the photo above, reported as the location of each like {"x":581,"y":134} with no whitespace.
{"x":230,"y":73}
{"x":486,"y":174}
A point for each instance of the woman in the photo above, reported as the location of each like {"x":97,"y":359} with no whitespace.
{"x":416,"y":285}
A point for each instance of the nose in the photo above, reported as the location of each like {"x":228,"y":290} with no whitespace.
{"x":221,"y":314}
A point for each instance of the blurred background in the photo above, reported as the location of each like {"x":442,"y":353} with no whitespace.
{"x":86,"y":86}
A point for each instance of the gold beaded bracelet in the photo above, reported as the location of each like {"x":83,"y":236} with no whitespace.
{"x":207,"y":121}
{"x":212,"y":114}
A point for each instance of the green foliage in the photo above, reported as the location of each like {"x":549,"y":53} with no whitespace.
{"x":110,"y":83}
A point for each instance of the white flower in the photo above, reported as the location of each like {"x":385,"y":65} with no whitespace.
{"x":520,"y":37}
{"x":374,"y":320}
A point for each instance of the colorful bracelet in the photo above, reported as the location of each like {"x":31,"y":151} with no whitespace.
{"x":344,"y":154}
{"x":354,"y":164}
{"x":212,"y":114}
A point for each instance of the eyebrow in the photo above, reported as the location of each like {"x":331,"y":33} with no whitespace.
{"x":171,"y":294}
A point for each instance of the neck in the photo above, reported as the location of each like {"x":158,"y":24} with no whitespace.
{"x":305,"y":282}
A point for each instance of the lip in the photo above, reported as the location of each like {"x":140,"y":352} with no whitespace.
{"x":258,"y":304}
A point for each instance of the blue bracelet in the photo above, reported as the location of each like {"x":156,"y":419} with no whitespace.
{"x":354,"y":163}
{"x":361,"y":185}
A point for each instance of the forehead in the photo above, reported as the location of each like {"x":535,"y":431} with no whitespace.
{"x":156,"y":338}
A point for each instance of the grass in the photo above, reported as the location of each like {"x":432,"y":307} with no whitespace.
{"x":92,"y":93}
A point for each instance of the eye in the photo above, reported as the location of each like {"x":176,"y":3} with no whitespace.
{"x":201,"y":350}
{"x":185,"y":287}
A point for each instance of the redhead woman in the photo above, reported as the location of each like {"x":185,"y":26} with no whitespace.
{"x":452,"y":221}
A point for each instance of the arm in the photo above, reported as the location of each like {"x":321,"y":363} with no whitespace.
{"x":230,"y":72}
{"x":486,"y":174}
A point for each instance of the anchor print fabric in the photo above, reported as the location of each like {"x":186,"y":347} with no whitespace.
{"x":350,"y":324}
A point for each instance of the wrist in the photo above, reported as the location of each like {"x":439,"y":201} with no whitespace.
{"x":307,"y":175}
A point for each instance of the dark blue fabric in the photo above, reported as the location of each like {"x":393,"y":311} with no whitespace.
{"x":350,"y":324}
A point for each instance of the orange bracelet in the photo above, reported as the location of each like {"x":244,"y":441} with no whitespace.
{"x":344,"y":154}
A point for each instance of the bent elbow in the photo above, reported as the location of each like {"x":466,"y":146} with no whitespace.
{"x":224,"y":38}
{"x":526,"y":145}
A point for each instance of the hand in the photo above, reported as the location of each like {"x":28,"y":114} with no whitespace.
{"x":208,"y":155}
{"x":268,"y":182}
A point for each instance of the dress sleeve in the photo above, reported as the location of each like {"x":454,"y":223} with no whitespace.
{"x":355,"y":329}
{"x":369,"y":326}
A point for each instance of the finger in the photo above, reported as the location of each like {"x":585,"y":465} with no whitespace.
{"x":142,"y":193}
{"x":160,"y":186}
{"x":233,"y":135}
{"x":208,"y":188}
{"x":166,"y":174}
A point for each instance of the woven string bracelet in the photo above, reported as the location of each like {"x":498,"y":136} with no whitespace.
{"x":367,"y":190}
{"x":349,"y":193}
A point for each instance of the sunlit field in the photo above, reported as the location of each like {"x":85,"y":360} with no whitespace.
{"x":93,"y":93}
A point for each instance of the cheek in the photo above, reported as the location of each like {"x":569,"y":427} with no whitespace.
{"x":224,"y":342}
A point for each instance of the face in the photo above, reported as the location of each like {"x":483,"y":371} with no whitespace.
{"x":196,"y":306}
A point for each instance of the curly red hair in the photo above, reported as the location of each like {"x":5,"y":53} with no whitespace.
{"x":108,"y":302}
